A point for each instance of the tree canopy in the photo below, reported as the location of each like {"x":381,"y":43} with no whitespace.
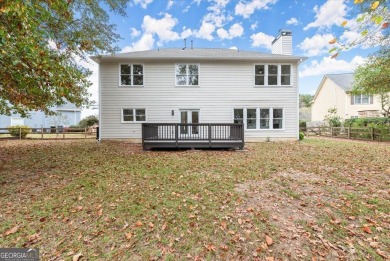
{"x":373,"y":77}
{"x":41,"y":44}
{"x":371,"y":26}
{"x":89,"y":121}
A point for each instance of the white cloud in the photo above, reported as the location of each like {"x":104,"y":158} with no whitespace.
{"x":292,"y":21}
{"x":233,"y":48}
{"x":329,"y":65}
{"x":330,"y":13}
{"x":145,"y":43}
{"x":205,"y":31}
{"x":161,"y":27}
{"x":135,"y":32}
{"x":246,"y":8}
{"x":262,"y":40}
{"x":236,"y":30}
{"x":254,"y":26}
{"x":316,"y":45}
{"x":170,"y":4}
{"x":186,"y":33}
{"x":143,"y":3}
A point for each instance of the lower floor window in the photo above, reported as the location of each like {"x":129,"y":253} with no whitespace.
{"x":260,"y":118}
{"x":133,"y":115}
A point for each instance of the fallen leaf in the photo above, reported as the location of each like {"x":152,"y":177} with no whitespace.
{"x":268,"y":240}
{"x":100,"y":212}
{"x":77,"y":257}
{"x":42,"y":219}
{"x":79,"y":208}
{"x":211,"y":247}
{"x":381,"y":253}
{"x":367,"y":229}
{"x":223,"y":225}
{"x":138,"y":224}
{"x":151,"y":225}
{"x":164,"y":226}
{"x":270,"y":258}
{"x":12,"y":231}
{"x":128,"y":235}
{"x":240,"y":221}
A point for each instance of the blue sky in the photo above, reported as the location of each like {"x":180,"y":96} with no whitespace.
{"x":246,"y":25}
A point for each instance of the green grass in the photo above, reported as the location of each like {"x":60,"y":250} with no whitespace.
{"x":84,"y":196}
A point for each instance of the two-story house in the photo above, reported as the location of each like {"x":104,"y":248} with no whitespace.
{"x":334,"y":92}
{"x":197,"y":85}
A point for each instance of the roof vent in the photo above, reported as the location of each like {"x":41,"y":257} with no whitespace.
{"x":185,"y":44}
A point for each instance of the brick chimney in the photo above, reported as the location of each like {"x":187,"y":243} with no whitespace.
{"x":282,"y":43}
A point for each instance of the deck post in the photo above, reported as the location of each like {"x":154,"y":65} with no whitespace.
{"x":177,"y":135}
{"x":242,"y":134}
{"x":209,"y":127}
{"x":42,"y":133}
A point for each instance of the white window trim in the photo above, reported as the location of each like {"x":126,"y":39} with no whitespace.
{"x":134,"y":115}
{"x":370,"y":99}
{"x":188,"y":86}
{"x":258,"y":118}
{"x":131,"y":70}
{"x":279,"y":78}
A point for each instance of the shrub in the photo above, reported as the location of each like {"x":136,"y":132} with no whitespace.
{"x":301,"y":135}
{"x":302,"y":124}
{"x":364,"y":122}
{"x":19,"y":131}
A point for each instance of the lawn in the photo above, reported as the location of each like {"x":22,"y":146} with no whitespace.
{"x":79,"y":199}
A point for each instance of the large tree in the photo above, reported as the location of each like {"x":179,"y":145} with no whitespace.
{"x":370,"y":27}
{"x":373,"y":77}
{"x":41,"y":45}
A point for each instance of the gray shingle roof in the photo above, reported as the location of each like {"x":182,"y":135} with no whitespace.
{"x":344,"y":80}
{"x":196,"y":54}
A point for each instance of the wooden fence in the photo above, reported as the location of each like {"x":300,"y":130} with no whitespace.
{"x":358,"y":133}
{"x":49,"y":133}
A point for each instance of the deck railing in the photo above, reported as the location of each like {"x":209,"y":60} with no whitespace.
{"x":192,"y":135}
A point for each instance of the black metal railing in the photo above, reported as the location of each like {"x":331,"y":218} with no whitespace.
{"x":194,"y":135}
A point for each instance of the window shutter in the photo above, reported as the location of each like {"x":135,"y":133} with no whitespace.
{"x":352,"y":99}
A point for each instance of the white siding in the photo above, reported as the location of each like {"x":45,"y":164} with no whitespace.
{"x":283,"y":45}
{"x":222,"y":87}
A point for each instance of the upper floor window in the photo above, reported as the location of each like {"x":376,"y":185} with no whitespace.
{"x":187,"y":74}
{"x":131,"y":74}
{"x":362,"y":99}
{"x":272,"y":74}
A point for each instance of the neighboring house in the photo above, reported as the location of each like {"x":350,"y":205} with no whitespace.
{"x":333,"y":92}
{"x":69,"y":115}
{"x":192,"y":85}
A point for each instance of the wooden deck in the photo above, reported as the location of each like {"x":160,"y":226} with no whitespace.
{"x":192,"y":136}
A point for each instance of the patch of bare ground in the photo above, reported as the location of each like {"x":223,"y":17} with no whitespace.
{"x":296,"y":202}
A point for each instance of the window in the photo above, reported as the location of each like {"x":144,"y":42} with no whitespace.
{"x":251,"y":118}
{"x":264,"y":118}
{"x":238,"y":116}
{"x":17,"y":121}
{"x":268,"y":118}
{"x":277,"y":119}
{"x":131,"y":75}
{"x":187,"y":74}
{"x":133,"y":115}
{"x":272,"y":74}
{"x":362,"y":99}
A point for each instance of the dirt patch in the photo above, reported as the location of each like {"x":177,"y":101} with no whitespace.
{"x":295,"y":202}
